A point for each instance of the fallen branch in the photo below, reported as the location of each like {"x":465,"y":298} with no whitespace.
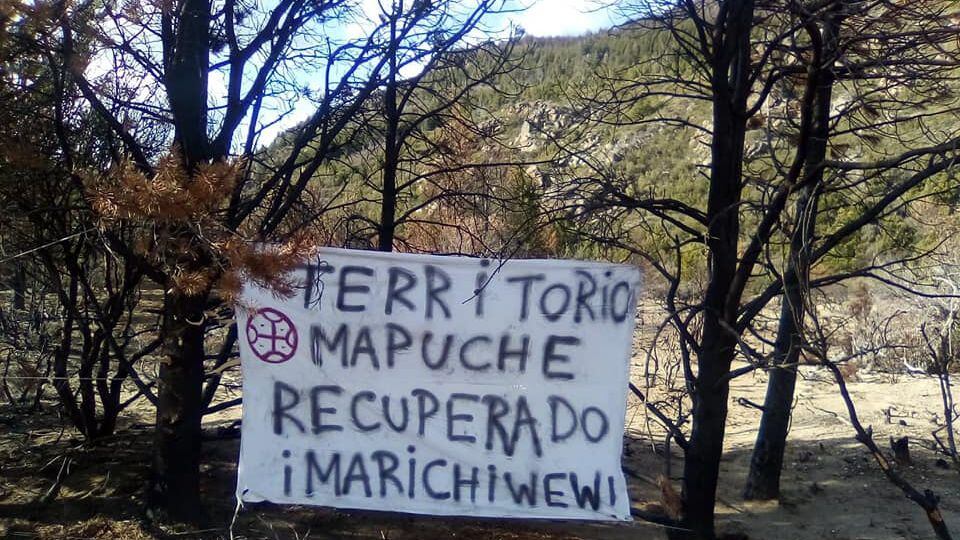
{"x":54,"y":490}
{"x":223,"y":405}
{"x":926,"y":500}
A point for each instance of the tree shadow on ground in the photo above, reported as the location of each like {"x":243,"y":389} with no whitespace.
{"x":831,"y":490}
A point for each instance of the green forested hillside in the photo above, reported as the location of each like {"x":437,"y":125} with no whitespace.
{"x":543,"y":115}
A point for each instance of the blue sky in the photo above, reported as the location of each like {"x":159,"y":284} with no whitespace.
{"x":540,"y":18}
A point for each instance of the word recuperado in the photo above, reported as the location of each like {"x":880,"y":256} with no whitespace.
{"x":503,"y":423}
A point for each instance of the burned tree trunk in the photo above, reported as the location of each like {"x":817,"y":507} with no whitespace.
{"x":701,"y":467}
{"x":391,"y":144}
{"x":766,"y":462}
{"x":388,"y":206}
{"x":175,"y":486}
{"x":901,"y":450}
{"x":19,"y":286}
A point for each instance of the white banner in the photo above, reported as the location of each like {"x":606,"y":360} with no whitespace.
{"x":440,"y":385}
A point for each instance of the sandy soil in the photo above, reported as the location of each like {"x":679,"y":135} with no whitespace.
{"x":832,"y":488}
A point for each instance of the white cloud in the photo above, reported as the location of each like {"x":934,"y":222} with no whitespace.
{"x":563,"y":17}
{"x":541,"y":18}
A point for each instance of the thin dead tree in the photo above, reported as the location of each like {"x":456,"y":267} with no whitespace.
{"x":938,"y":331}
{"x":436,"y":164}
{"x":416,"y":109}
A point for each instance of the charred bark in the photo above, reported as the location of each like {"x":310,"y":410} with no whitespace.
{"x":19,"y":286}
{"x":174,"y":490}
{"x":391,"y":161}
{"x":766,"y":462}
{"x":388,"y":206}
{"x":175,"y":485}
{"x":701,"y":468}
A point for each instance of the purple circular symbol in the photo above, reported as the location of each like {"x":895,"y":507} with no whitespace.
{"x":272,"y":336}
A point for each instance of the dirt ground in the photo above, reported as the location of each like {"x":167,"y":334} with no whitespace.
{"x":833,"y":490}
{"x":832,"y":487}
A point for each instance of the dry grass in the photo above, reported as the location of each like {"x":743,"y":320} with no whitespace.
{"x":96,"y":528}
